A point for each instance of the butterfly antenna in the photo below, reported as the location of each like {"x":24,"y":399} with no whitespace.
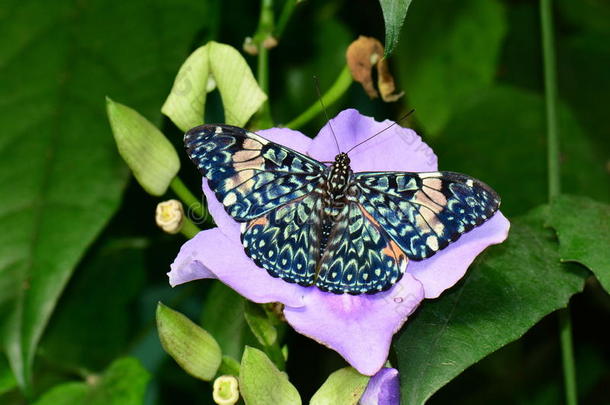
{"x":317,"y":84}
{"x":383,"y":130}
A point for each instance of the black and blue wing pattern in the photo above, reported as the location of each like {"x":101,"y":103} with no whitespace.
{"x":250,"y":175}
{"x":340,"y":231}
{"x":424,"y":212}
{"x":360,"y":257}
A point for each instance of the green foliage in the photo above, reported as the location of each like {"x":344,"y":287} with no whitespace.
{"x":61,"y":176}
{"x":394,"y":13}
{"x":502,"y":296}
{"x":261,"y":383}
{"x":104,"y":322}
{"x":500,"y":139}
{"x":194,"y":349}
{"x":343,"y":387}
{"x":123,"y":383}
{"x":448,"y":55}
{"x":150,"y":156}
{"x":209,"y":66}
{"x":583,"y":228}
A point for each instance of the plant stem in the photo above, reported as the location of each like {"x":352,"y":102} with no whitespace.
{"x":554,"y":180}
{"x":340,"y":86}
{"x":550,"y":88}
{"x":193,"y":206}
{"x":264,"y":31}
{"x":189,"y":229}
{"x":284,"y":17}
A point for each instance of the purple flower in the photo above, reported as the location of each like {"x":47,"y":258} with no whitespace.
{"x":360,"y":327}
{"x":383,"y":389}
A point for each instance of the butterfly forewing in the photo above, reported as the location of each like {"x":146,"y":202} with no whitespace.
{"x":424,"y":212}
{"x":249,"y":174}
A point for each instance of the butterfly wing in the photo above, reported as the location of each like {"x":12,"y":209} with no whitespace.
{"x":361,"y":257}
{"x":250,"y":175}
{"x":424,"y":212}
{"x":285,"y":242}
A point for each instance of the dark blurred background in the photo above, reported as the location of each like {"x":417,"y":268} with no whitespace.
{"x":471,"y":68}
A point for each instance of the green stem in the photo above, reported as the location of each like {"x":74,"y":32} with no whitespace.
{"x":192,"y":203}
{"x":284,"y":17}
{"x":264,"y":31}
{"x":340,"y":86}
{"x":189,"y":229}
{"x":550,"y":88}
{"x":554,"y":180}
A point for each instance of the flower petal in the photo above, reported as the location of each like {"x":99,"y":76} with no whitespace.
{"x":448,"y":266}
{"x":397,"y":148}
{"x":284,"y":136}
{"x":358,"y":327}
{"x":210,"y":254}
{"x":383,"y":389}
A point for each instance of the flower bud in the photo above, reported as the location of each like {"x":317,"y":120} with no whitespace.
{"x":226,"y":390}
{"x":170,"y":216}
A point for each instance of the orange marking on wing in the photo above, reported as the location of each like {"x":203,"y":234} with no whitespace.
{"x":432,"y":183}
{"x":250,"y":143}
{"x":368,"y":216}
{"x":422,"y":198}
{"x":438,"y":197}
{"x":258,"y":221}
{"x":256,"y":164}
{"x":243,"y":155}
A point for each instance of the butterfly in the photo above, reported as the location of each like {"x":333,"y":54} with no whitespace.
{"x":343,"y":232}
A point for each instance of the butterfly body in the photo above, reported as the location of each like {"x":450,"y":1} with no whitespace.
{"x":327,"y":226}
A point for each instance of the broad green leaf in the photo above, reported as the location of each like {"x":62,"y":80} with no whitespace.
{"x":343,"y":387}
{"x":448,"y":54}
{"x":60,"y":176}
{"x":213,"y":65}
{"x":261,"y":383}
{"x":223,"y":317}
{"x":123,"y":383}
{"x":194,"y":349}
{"x":108,"y":308}
{"x":151,"y":157}
{"x":583,"y":228}
{"x":504,"y":294}
{"x":500,"y":139}
{"x":394,"y":13}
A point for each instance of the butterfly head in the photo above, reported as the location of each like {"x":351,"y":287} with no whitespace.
{"x":342,"y":159}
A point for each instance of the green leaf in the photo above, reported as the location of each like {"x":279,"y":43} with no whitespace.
{"x":448,"y":55}
{"x":261,"y":383}
{"x":223,"y":318}
{"x":213,"y":65}
{"x":500,"y":139}
{"x":343,"y":387}
{"x":61,"y":178}
{"x":123,"y":383}
{"x":394,"y":14}
{"x":119,"y":261}
{"x":583,"y":228}
{"x":503,"y":295}
{"x":7,"y":379}
{"x":151,"y":157}
{"x":194,"y":349}
{"x":260,"y":324}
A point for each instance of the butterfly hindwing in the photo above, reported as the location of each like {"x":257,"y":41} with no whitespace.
{"x":424,"y":212}
{"x":250,"y":175}
{"x":361,"y":257}
{"x":285,"y":242}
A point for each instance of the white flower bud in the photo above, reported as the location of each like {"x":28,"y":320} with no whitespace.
{"x":170,"y":216}
{"x":226,"y":390}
